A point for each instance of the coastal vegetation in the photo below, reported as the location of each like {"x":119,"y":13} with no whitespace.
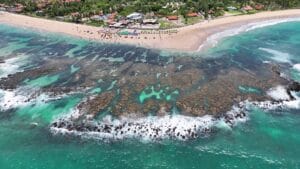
{"x":109,"y":12}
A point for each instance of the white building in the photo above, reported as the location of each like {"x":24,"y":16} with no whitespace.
{"x":135,"y":16}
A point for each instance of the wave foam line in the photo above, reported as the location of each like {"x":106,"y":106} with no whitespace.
{"x":281,"y":101}
{"x":213,"y":40}
{"x":23,"y":96}
{"x":178,"y":127}
{"x":12,"y":66}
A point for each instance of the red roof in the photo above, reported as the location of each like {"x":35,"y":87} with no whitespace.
{"x":259,"y":7}
{"x":194,"y":14}
{"x":173,"y":17}
{"x":247,"y":8}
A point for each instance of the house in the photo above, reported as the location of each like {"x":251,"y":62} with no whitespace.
{"x":2,"y":7}
{"x":118,"y":25}
{"x":172,"y":18}
{"x":259,"y":7}
{"x":150,"y":21}
{"x":247,"y":8}
{"x":18,"y":8}
{"x":192,"y":14}
{"x":135,"y":16}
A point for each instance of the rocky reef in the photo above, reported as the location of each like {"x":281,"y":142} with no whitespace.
{"x":139,"y":85}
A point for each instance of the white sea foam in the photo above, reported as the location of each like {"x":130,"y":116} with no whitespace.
{"x":278,"y":56}
{"x":284,"y":105}
{"x":279,"y":93}
{"x":293,"y":104}
{"x":11,"y":66}
{"x":147,"y":128}
{"x":23,"y":96}
{"x":9,"y":99}
{"x":297,"y":67}
{"x":213,"y":40}
{"x":283,"y":100}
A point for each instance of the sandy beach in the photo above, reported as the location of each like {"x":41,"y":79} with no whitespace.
{"x":188,"y":38}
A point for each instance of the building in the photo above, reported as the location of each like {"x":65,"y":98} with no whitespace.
{"x":135,"y":16}
{"x":17,"y":8}
{"x":172,"y":18}
{"x":192,"y":14}
{"x":259,"y":7}
{"x":118,"y":25}
{"x":247,"y":8}
{"x":231,"y":8}
{"x":150,"y":21}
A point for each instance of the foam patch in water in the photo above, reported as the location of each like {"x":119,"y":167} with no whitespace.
{"x":11,"y":66}
{"x":278,"y":56}
{"x":279,"y":93}
{"x":22,"y":96}
{"x":297,"y":67}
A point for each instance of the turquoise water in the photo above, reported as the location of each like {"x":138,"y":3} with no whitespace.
{"x":268,"y":140}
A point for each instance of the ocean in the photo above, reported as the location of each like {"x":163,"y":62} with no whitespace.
{"x":268,"y":138}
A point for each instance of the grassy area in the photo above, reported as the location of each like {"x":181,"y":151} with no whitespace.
{"x":252,"y":12}
{"x":166,"y":25}
{"x":194,"y":20}
{"x":236,"y":12}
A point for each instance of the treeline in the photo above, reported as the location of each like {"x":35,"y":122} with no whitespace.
{"x":158,"y":7}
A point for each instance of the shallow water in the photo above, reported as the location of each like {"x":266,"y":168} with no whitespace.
{"x":269,"y":139}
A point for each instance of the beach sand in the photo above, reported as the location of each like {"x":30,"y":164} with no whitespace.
{"x":188,"y":38}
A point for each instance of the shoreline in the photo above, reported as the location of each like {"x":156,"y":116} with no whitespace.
{"x":187,"y":39}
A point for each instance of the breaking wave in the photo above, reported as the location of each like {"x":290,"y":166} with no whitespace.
{"x":177,"y":127}
{"x":213,"y":40}
{"x":23,"y":96}
{"x":11,"y":66}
